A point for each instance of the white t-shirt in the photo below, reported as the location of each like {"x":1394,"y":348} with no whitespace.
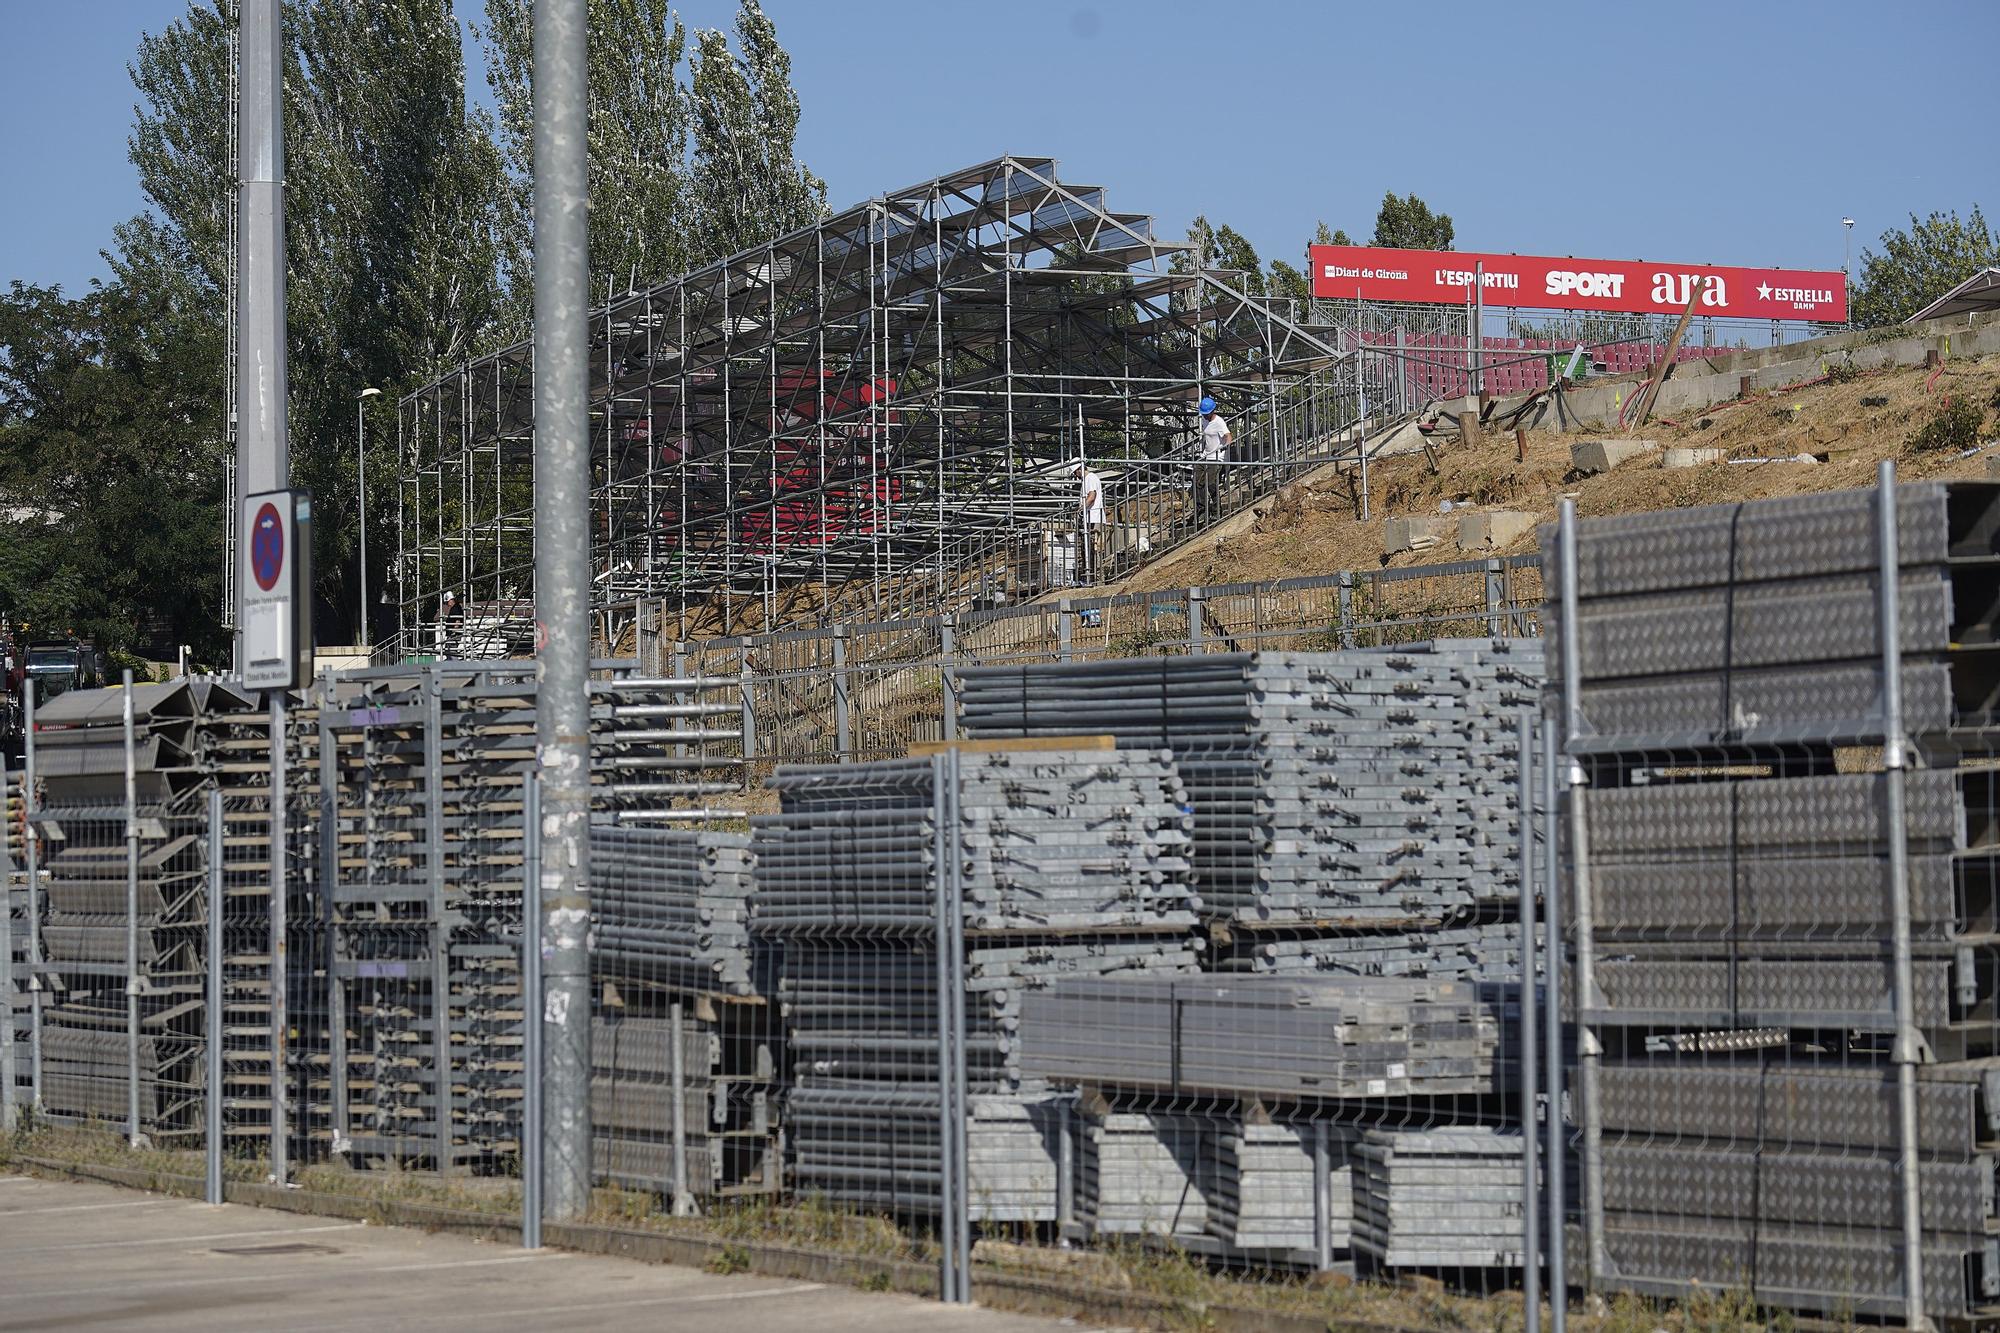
{"x":1090,"y":499}
{"x":1214,"y":439}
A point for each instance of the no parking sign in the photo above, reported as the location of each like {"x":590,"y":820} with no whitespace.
{"x":276,"y":589}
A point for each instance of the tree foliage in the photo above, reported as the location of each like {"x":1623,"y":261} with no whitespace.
{"x":1224,"y":249}
{"x":408,"y":241}
{"x":110,"y":482}
{"x":1915,"y":267}
{"x":692,"y":145}
{"x":1407,"y":223}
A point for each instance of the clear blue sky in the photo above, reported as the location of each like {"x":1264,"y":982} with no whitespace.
{"x":1702,"y":133}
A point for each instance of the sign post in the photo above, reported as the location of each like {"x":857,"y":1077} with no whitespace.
{"x":276,"y":589}
{"x":276,"y":620}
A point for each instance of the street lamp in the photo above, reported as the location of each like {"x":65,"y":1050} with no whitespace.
{"x":1846,"y":259}
{"x":361,"y":468}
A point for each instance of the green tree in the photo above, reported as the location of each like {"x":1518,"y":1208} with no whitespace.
{"x":638,"y":114}
{"x":692,"y":155}
{"x":110,"y":484}
{"x":1407,"y":223}
{"x":1917,"y":266}
{"x":393,"y":231}
{"x":1287,"y":281}
{"x":747,"y":183}
{"x":1226,"y":250}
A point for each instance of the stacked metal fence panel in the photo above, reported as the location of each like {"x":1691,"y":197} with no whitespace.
{"x":1439,"y":1197}
{"x":1067,"y":863}
{"x":671,"y":912}
{"x":1255,"y":1089}
{"x":426,"y":767}
{"x":1737,"y":852}
{"x":1351,"y":812}
{"x":89,"y":1057}
{"x":17,"y":1021}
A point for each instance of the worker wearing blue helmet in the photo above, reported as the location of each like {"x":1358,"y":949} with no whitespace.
{"x":1211,"y":458}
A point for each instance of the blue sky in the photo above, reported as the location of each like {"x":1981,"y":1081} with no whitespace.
{"x":1609,"y":129}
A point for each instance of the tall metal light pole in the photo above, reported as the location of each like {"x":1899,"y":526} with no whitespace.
{"x":263,"y":446}
{"x":1846,"y":259}
{"x":361,"y":467}
{"x":562,"y":595}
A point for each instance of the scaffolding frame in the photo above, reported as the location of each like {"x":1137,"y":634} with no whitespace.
{"x":874,"y":415}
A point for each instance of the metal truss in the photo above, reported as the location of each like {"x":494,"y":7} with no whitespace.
{"x":878,"y":413}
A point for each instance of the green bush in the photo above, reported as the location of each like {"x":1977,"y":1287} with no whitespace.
{"x":1955,"y":425}
{"x":1843,"y":371}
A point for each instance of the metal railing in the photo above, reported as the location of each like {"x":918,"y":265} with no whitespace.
{"x":870,"y":690}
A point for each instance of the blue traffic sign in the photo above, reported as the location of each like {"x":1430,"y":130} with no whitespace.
{"x":267,"y":547}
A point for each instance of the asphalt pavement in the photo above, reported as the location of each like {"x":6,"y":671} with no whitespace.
{"x":78,"y":1254}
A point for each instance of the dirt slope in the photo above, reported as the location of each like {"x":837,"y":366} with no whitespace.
{"x":1311,"y":528}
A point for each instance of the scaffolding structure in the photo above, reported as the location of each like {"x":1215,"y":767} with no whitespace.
{"x":876,"y":415}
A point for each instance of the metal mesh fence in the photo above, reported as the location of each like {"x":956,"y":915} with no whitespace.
{"x":1778,"y":834}
{"x":871,"y":691}
{"x":1170,"y":929}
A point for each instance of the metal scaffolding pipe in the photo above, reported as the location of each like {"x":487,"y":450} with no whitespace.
{"x":563,"y":589}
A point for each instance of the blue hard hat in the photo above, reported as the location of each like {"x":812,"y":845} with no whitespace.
{"x":1206,"y":406}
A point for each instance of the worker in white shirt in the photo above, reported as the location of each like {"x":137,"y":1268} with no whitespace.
{"x":1211,"y":458}
{"x":1090,"y":520}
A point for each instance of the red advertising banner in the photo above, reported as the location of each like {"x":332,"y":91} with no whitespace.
{"x":1625,"y":286}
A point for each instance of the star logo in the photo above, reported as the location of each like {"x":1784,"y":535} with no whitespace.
{"x":1763,"y":291}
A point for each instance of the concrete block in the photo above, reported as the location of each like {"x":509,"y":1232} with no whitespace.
{"x":1603,"y":455}
{"x":1691,"y":455}
{"x":1415,"y":534}
{"x":1493,"y":529}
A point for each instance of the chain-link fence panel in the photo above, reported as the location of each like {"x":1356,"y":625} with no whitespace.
{"x":1777,"y":826}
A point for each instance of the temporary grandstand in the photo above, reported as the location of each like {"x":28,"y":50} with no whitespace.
{"x":870,"y":416}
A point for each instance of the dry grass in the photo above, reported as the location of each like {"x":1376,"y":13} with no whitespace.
{"x":1187,"y":1285}
{"x":1311,"y":528}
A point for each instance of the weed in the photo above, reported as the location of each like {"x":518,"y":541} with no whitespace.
{"x":1843,"y":371}
{"x":729,"y":1259}
{"x":877,"y":1281}
{"x":1955,"y":425}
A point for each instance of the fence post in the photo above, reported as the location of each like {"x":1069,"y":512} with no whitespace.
{"x":682,"y":696}
{"x":280,"y":933}
{"x":948,"y":671}
{"x":34,"y":904}
{"x":1346,"y":608}
{"x":440,"y":942}
{"x":677,"y":1077}
{"x":943,"y":837}
{"x":749,"y":692}
{"x":1402,"y":371}
{"x":329,"y":885}
{"x":1909,"y":1048}
{"x":9,"y":1074}
{"x":1493,"y":597}
{"x":1322,"y":1197}
{"x":1574,"y":782}
{"x":1065,"y":629}
{"x":843,"y":726}
{"x":961,"y":1031}
{"x":1557,"y":1156}
{"x":1196,"y":607}
{"x":212,"y":1009}
{"x":1524,"y":795}
{"x":133,"y":1135}
{"x":531,"y":1011}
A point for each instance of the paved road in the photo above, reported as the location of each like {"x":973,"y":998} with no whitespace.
{"x":83,"y":1255}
